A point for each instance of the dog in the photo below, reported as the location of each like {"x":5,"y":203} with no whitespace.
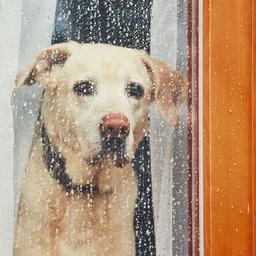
{"x":78,"y":193}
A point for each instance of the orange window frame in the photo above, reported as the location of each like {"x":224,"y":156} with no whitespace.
{"x":229,"y":126}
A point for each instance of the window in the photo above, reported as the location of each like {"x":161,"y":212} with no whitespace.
{"x":166,"y":216}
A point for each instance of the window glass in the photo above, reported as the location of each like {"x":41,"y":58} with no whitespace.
{"x":163,"y":159}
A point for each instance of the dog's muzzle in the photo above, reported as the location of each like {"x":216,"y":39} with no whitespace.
{"x":114,"y":130}
{"x":115,"y":126}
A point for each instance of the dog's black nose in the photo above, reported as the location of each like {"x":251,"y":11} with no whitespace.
{"x":115,"y":126}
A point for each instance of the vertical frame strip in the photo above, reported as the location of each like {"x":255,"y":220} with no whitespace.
{"x":229,"y":123}
{"x":253,"y":102}
{"x":193,"y":137}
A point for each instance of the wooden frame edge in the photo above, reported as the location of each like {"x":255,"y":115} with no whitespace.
{"x":193,"y":135}
{"x":253,"y":102}
{"x":245,"y":17}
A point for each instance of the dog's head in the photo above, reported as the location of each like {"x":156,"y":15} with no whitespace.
{"x":97,"y":97}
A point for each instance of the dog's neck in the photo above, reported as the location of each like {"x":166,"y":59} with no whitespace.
{"x":56,"y":165}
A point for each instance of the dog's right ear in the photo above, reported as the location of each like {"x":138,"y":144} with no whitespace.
{"x":40,"y":70}
{"x":169,"y":90}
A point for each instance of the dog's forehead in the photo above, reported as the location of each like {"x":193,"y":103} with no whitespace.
{"x":105,"y":62}
{"x":106,"y":51}
{"x":100,"y":55}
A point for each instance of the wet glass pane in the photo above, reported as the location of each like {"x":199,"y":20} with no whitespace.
{"x":102,"y":109}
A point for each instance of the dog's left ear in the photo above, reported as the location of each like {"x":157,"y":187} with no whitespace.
{"x":40,"y":70}
{"x":170,"y":89}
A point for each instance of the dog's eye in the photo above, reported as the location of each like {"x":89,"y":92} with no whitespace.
{"x":135,"y":90}
{"x":85,"y":88}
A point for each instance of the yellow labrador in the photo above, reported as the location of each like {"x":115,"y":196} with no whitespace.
{"x":79,"y":189}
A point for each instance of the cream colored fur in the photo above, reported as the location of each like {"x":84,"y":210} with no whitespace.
{"x":52,"y":221}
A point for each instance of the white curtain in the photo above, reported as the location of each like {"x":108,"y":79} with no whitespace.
{"x":10,"y":14}
{"x":163,"y":46}
{"x":25,"y":28}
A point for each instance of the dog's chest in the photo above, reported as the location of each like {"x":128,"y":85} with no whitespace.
{"x":77,"y":224}
{"x":98,"y":225}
